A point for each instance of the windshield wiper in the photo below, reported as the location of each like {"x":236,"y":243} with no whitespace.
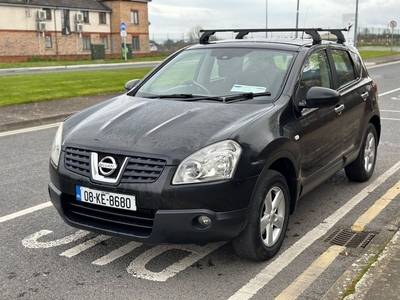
{"x":228,"y":98}
{"x":171,"y":96}
{"x":245,"y":96}
{"x":187,"y":97}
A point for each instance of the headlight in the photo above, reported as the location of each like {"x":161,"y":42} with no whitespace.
{"x":56,"y":147}
{"x":214,"y":162}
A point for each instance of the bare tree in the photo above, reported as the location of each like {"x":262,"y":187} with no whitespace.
{"x":195,"y":34}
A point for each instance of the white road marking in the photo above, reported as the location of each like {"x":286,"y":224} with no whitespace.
{"x":284,"y":259}
{"x":30,"y":129}
{"x":116,"y":254}
{"x":137,"y":267}
{"x":389,"y":92}
{"x":382,"y":65}
{"x":84,"y":246}
{"x":24,"y":212}
{"x":32,"y":240}
{"x":297,"y":287}
{"x":391,"y":119}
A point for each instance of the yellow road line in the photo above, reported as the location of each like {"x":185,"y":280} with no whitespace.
{"x":297,"y":287}
{"x":375,"y":209}
{"x":313,"y":272}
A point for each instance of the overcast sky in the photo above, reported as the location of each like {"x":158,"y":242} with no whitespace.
{"x":178,"y":17}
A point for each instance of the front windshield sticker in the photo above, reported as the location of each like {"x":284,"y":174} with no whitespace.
{"x":248,"y":89}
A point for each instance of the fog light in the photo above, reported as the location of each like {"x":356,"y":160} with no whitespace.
{"x":204,"y":221}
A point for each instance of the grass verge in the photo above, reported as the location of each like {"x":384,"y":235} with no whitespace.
{"x":18,"y":89}
{"x":352,"y":288}
{"x":376,"y":53}
{"x":52,"y":63}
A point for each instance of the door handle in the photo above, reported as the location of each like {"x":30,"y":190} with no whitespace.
{"x":365,"y":96}
{"x":339,"y":109}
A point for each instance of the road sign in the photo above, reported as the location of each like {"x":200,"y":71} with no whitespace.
{"x":393,"y":24}
{"x":123,"y":33}
{"x":122,"y":26}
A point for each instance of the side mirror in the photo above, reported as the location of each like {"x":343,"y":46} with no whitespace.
{"x":131,"y":84}
{"x":320,"y":97}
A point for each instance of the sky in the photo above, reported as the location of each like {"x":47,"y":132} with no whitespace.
{"x":176,"y":18}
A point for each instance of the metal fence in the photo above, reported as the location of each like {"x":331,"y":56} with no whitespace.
{"x":365,"y":36}
{"x":378,"y":36}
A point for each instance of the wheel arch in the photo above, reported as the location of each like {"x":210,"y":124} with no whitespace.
{"x":284,"y":163}
{"x":375,"y":120}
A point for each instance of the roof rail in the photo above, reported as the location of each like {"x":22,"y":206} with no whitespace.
{"x":313,"y":32}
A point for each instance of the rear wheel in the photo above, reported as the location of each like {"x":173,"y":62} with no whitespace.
{"x":362,"y":168}
{"x":267,"y":219}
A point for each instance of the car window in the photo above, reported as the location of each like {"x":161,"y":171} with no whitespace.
{"x":176,"y":73}
{"x":361,"y":72}
{"x":316,"y":72}
{"x":344,"y":67}
{"x":221,"y":72}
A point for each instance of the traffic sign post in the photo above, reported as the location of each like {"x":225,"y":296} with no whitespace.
{"x":122,"y":26}
{"x":393,"y":25}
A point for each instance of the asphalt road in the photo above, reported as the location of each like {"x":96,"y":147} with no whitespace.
{"x":43,"y":258}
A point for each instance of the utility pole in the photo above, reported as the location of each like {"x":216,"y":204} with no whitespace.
{"x":266,"y":17}
{"x":356,"y":25}
{"x":297,"y":17}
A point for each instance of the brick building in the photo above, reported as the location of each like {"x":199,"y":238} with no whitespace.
{"x":64,"y":29}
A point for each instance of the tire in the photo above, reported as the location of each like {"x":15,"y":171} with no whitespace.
{"x":267,"y":219}
{"x":362,"y":168}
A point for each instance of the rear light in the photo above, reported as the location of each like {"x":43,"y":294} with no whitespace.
{"x":375,"y":86}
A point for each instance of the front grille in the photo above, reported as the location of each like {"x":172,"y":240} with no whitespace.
{"x":138,"y":169}
{"x":137,"y":223}
{"x":141,"y":170}
{"x":78,"y":161}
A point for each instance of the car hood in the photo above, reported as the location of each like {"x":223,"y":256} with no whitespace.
{"x":165,"y":128}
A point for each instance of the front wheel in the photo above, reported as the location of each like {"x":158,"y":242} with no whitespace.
{"x":267,"y":219}
{"x":362,"y":168}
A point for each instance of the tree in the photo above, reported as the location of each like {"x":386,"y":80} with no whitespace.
{"x":195,"y":34}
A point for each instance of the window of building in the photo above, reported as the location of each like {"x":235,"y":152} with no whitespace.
{"x":135,"y":43}
{"x":85,"y":17}
{"x":48,"y":13}
{"x":65,"y":23}
{"x":134,"y":17}
{"x":86,"y":42}
{"x":102,"y":18}
{"x":48,"y":42}
{"x":104,"y":41}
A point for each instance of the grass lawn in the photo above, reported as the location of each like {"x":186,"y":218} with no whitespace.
{"x":51,"y":63}
{"x":376,"y":53}
{"x":18,"y":89}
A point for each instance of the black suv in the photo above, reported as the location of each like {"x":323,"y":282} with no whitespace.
{"x":219,"y":142}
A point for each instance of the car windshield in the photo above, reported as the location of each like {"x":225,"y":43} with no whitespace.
{"x":219,"y":74}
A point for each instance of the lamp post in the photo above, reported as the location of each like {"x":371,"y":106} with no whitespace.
{"x":297,"y":17}
{"x":266,"y":17}
{"x":356,"y":25}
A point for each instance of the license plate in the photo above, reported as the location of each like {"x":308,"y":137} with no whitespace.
{"x":107,"y":199}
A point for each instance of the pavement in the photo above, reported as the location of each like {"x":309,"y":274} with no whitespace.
{"x":377,"y":281}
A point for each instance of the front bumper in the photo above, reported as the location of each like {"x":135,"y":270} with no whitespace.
{"x":165,"y":213}
{"x":163,"y":226}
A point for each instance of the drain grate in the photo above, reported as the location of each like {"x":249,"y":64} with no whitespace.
{"x":351,"y":239}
